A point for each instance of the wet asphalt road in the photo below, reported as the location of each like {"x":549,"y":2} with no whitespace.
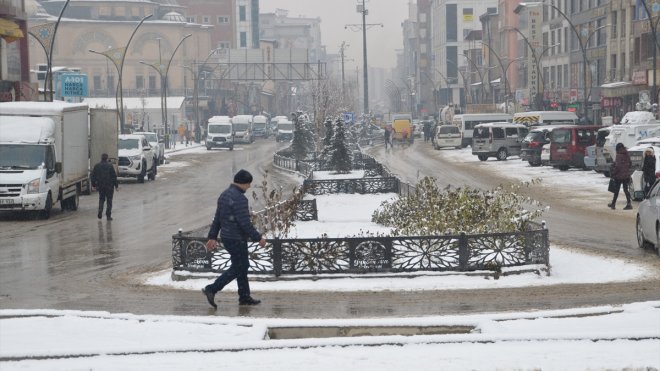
{"x":75,"y":261}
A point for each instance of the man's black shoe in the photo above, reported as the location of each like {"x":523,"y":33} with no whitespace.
{"x":249,"y":301}
{"x":210,"y":297}
{"x":109,"y":218}
{"x":100,"y":215}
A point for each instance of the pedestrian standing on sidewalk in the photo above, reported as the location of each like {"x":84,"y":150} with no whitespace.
{"x":388,"y":135}
{"x":621,"y":175}
{"x":648,"y":169}
{"x":104,"y":179}
{"x":232,"y":220}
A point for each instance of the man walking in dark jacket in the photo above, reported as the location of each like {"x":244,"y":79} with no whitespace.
{"x":232,"y":220}
{"x":104,"y":179}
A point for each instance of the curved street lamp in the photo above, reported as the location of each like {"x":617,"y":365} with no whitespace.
{"x":196,"y":76}
{"x":481,"y":76}
{"x":448,"y":90}
{"x":117,"y":56}
{"x":583,"y":47}
{"x":499,"y":61}
{"x":465,"y":83}
{"x":163,"y":70}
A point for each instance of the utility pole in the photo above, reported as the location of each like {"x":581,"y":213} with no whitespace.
{"x":364,"y":52}
{"x":343,"y":79}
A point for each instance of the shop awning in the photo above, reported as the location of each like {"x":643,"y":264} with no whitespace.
{"x":9,"y":30}
{"x":619,"y":89}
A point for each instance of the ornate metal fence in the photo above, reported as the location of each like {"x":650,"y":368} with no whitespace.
{"x":371,"y":254}
{"x":358,"y":185}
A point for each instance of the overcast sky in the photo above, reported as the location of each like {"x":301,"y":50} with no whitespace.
{"x":335,"y":14}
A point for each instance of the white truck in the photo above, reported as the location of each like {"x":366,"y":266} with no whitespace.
{"x":242,"y":128}
{"x":220,"y":133}
{"x":44,"y":155}
{"x":634,"y":126}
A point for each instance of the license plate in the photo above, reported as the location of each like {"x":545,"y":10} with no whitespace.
{"x":6,"y":201}
{"x":561,"y":150}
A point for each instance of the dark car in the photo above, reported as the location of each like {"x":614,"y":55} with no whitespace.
{"x":533,"y":144}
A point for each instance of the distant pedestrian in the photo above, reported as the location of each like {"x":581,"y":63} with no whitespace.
{"x":104,"y":179}
{"x":232,"y":220}
{"x":621,"y":176}
{"x":427,"y":131}
{"x":388,"y":136}
{"x":648,"y":169}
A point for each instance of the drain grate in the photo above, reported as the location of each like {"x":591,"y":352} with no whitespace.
{"x":275,"y":333}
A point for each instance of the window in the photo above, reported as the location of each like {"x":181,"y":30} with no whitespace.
{"x":511,"y":133}
{"x":623,"y":23}
{"x":191,"y":19}
{"x":566,"y":75}
{"x":152,"y":82}
{"x":97,"y":82}
{"x":614,"y":23}
{"x":139,"y":82}
{"x":584,"y":137}
{"x":498,"y":133}
{"x":206,"y":20}
{"x":468,"y":14}
{"x":241,"y":13}
{"x":451,"y":26}
{"x":559,"y":80}
{"x":243,"y":41}
{"x":491,"y":10}
{"x":223,"y":19}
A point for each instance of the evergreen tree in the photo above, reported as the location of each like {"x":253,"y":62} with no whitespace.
{"x":340,"y":158}
{"x":327,"y":139}
{"x":299,"y":145}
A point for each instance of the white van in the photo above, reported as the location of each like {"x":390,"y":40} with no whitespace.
{"x":498,"y":139}
{"x":635,"y":126}
{"x":220,"y":133}
{"x":284,"y":130}
{"x":467,"y":121}
{"x":260,"y":126}
{"x":242,"y":128}
{"x":534,"y":118}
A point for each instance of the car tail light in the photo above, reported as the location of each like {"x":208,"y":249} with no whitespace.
{"x":657,"y":175}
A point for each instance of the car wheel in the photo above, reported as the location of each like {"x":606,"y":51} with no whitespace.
{"x":45,"y":213}
{"x":641,"y":242}
{"x":73,"y":202}
{"x":482,"y":157}
{"x":606,"y":173}
{"x":208,"y":148}
{"x":140,"y":177}
{"x":502,"y":155}
{"x":563,"y":167}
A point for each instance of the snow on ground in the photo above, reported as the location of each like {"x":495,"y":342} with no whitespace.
{"x":600,"y":338}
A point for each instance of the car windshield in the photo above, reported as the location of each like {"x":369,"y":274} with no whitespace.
{"x":241,"y":127}
{"x":535,"y":136}
{"x":481,"y":132}
{"x":151,"y":137}
{"x":129,"y":143}
{"x":21,"y":156}
{"x":281,"y":126}
{"x":219,"y":129}
{"x":449,"y":129}
{"x":561,"y":136}
{"x":259,"y":125}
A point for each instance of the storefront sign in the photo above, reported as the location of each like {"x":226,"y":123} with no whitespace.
{"x":535,"y":18}
{"x":611,"y":102}
{"x":639,"y":77}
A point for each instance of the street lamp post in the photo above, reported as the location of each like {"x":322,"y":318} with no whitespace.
{"x":481,"y":76}
{"x":465,"y":86}
{"x":117,"y":56}
{"x":583,"y":48}
{"x":656,"y":45}
{"x":499,"y":61}
{"x":196,"y":77}
{"x":448,"y":91}
{"x":162,"y":71}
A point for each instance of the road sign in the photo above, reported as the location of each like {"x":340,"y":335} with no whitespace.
{"x":349,"y":117}
{"x":74,"y":85}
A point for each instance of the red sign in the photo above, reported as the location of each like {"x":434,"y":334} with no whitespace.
{"x":639,"y":77}
{"x":571,"y":109}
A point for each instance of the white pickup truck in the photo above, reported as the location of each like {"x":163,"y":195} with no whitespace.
{"x":44,"y":155}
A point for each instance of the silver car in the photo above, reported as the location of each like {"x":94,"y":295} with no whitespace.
{"x":648,"y":220}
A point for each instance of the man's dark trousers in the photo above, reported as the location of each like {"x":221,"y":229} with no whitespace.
{"x":106,"y":194}
{"x":239,"y":268}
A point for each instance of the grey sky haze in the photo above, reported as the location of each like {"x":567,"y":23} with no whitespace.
{"x":335,"y":14}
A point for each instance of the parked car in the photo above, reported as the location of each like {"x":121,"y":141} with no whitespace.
{"x":447,"y":136}
{"x":636,"y":153}
{"x":157,"y":144}
{"x":220,"y":133}
{"x":136,"y":157}
{"x":466,"y":123}
{"x":648,"y":220}
{"x":568,"y":145}
{"x":533,"y":143}
{"x":497,"y":139}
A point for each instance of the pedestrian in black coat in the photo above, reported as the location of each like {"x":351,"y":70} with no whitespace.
{"x":621,"y":175}
{"x":232,"y":221}
{"x":648,"y":169}
{"x":104,"y":179}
